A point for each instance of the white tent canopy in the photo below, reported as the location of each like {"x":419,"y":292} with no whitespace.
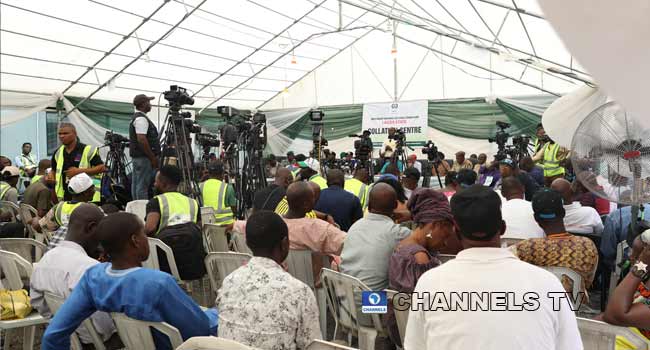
{"x":283,"y":54}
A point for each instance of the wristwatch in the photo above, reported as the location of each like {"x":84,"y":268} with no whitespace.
{"x":640,"y":270}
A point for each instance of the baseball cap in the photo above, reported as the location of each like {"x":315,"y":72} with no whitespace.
{"x":80,"y":183}
{"x":215,"y":167}
{"x":12,"y":170}
{"x":548,"y":205}
{"x":138,"y":99}
{"x":290,"y":153}
{"x":508,"y":162}
{"x":303,"y":165}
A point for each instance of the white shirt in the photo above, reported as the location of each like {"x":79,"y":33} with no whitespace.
{"x":313,"y":163}
{"x":141,"y":125}
{"x":520,"y":221}
{"x":581,"y":219}
{"x":389,"y":143}
{"x":58,"y":272}
{"x":492,"y":270}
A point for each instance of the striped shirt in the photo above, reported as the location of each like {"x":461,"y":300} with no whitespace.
{"x":283,"y":208}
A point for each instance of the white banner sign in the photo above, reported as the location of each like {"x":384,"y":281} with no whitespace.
{"x":410,"y":116}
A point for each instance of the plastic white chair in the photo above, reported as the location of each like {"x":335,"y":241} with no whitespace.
{"x":446,"y":257}
{"x":137,"y":207}
{"x":54,"y":302}
{"x":207,"y":216}
{"x":299,"y":265}
{"x":341,"y":290}
{"x":238,"y":241}
{"x":575,"y":277}
{"x":221,"y":264}
{"x":12,"y":208}
{"x":152,"y":261}
{"x":401,"y":316}
{"x":27,"y":214}
{"x":318,"y":344}
{"x":598,"y":335}
{"x":507,"y":242}
{"x":212,"y":343}
{"x":215,"y":239}
{"x":136,"y":334}
{"x":11,"y":265}
{"x":24,"y":248}
{"x":620,"y":255}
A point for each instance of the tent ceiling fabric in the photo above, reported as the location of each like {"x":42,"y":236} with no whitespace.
{"x":249,"y":53}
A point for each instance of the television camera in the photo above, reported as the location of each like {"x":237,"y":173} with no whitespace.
{"x":433,"y":156}
{"x":517,"y":150}
{"x":116,"y":184}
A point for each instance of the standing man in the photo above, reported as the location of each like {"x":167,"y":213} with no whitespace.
{"x":26,"y":162}
{"x":73,"y":158}
{"x":219,"y":194}
{"x":552,"y":155}
{"x":540,"y":138}
{"x":358,"y":186}
{"x":144,"y":148}
{"x":461,"y":163}
{"x":344,"y":206}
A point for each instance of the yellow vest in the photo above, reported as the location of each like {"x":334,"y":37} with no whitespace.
{"x":176,"y":209}
{"x":36,"y":179}
{"x":551,"y":163}
{"x":319,"y":180}
{"x":88,"y":153}
{"x":62,"y":212}
{"x":4,"y":187}
{"x":213,"y":192}
{"x":283,"y":208}
{"x":358,"y":189}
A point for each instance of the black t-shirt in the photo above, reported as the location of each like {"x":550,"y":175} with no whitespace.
{"x":73,"y":159}
{"x":530,"y":186}
{"x":268,"y":197}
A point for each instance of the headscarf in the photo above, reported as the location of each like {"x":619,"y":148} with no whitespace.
{"x":427,"y":205}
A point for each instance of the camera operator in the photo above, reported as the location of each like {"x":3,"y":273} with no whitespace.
{"x":552,"y":156}
{"x":540,"y":139}
{"x":144,"y":148}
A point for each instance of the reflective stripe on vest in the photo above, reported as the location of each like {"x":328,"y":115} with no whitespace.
{"x":28,"y":162}
{"x":36,"y":178}
{"x":222,"y":213}
{"x":62,"y":212}
{"x":4,"y":187}
{"x":551,"y":163}
{"x":176,"y":209}
{"x":319,"y":180}
{"x":88,"y":153}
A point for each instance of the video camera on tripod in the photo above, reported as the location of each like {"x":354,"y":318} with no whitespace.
{"x":239,"y":122}
{"x":115,"y":183}
{"x":400,"y":141}
{"x":516,"y":151}
{"x":362,"y":147}
{"x":433,"y":156}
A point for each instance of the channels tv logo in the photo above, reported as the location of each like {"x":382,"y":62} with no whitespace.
{"x":374,"y":302}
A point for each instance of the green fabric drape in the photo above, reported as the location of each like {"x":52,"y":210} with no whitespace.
{"x":340,"y":121}
{"x":523,"y":121}
{"x":470,"y":118}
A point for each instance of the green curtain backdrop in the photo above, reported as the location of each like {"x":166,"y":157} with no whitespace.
{"x":469,"y":118}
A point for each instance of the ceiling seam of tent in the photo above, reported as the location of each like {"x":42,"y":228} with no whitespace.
{"x":129,"y":56}
{"x":525,"y":29}
{"x":186,"y":16}
{"x":496,"y":37}
{"x":143,"y":39}
{"x":296,"y":21}
{"x":198,"y":32}
{"x":344,"y":15}
{"x":373,"y":72}
{"x":124,"y":73}
{"x":424,"y":57}
{"x":520,"y":10}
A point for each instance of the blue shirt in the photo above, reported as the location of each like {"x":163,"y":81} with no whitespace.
{"x":142,"y":294}
{"x":537,"y":173}
{"x":616,"y":227}
{"x":344,"y":207}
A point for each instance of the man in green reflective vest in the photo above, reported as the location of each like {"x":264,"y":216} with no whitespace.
{"x":73,"y":158}
{"x":169,"y":208}
{"x":552,"y":155}
{"x":219,"y":195}
{"x":308,"y":173}
{"x":540,"y":138}
{"x":358,"y":186}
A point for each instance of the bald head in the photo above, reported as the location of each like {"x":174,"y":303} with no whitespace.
{"x":335,"y":177}
{"x":382,"y":199}
{"x":315,"y":189}
{"x":300,"y":197}
{"x":81,"y":228}
{"x":511,"y":188}
{"x":283,"y":177}
{"x":564,"y":188}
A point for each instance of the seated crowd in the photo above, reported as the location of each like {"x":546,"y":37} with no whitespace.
{"x":497,"y":218}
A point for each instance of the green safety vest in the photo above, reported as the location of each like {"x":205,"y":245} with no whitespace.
{"x":62,"y":212}
{"x":4,"y":188}
{"x":319,"y":180}
{"x":36,"y":178}
{"x":295,"y":172}
{"x":358,"y":189}
{"x":213,"y":192}
{"x":88,"y":154}
{"x":551,"y":163}
{"x":176,"y":209}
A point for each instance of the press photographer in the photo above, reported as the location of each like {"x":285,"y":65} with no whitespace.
{"x":116,"y":184}
{"x":363,"y":150}
{"x":144,"y":148}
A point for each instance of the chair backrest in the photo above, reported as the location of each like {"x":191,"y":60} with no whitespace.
{"x":136,"y":334}
{"x":12,"y":264}
{"x":221,"y":264}
{"x":343,"y":294}
{"x":12,"y":208}
{"x":616,"y":273}
{"x":507,"y":242}
{"x":446,"y":257}
{"x":27,"y":214}
{"x":598,"y":335}
{"x":29,"y":249}
{"x":401,"y":316}
{"x":238,"y":240}
{"x":318,"y":344}
{"x":299,"y":265}
{"x":215,"y":238}
{"x":54,"y":302}
{"x":137,"y":207}
{"x":575,"y":277}
{"x":212,"y":343}
{"x":152,"y":261}
{"x":207,"y":215}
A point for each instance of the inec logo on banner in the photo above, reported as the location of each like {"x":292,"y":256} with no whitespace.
{"x":374,"y":302}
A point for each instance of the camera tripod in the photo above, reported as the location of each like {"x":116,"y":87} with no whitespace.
{"x":115,"y":182}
